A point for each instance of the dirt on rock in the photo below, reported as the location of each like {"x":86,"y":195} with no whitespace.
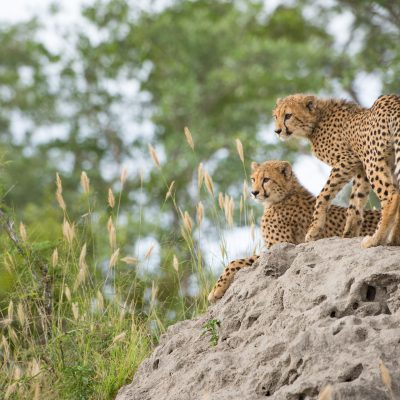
{"x":301,"y":318}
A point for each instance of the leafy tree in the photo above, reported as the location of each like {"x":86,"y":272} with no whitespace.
{"x":372,"y":45}
{"x":214,"y":66}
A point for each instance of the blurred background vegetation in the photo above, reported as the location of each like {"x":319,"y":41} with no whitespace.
{"x":93,"y":96}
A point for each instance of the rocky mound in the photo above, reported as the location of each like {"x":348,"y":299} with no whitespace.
{"x":303,"y":317}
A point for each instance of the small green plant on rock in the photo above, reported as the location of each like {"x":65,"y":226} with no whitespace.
{"x":211,"y":326}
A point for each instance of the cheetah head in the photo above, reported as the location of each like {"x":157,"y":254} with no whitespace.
{"x":271,"y":181}
{"x":295,"y":115}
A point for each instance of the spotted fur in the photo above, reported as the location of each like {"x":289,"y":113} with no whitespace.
{"x":288,"y":211}
{"x":358,"y":143}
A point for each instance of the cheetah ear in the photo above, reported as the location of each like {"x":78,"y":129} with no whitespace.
{"x":310,"y":103}
{"x":286,"y":170}
{"x":254,"y":166}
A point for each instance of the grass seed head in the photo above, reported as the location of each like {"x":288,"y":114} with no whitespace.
{"x":113,"y":259}
{"x":169,"y":192}
{"x":111,"y":198}
{"x":209,"y":183}
{"x":68,"y":293}
{"x":221,"y":200}
{"x":85,"y":182}
{"x":22,"y":232}
{"x":82,"y":257}
{"x":130,"y":260}
{"x":34,"y":368}
{"x":226,"y":205}
{"x":175,"y":263}
{"x":187,"y":222}
{"x":75,"y":310}
{"x":231,"y":207}
{"x":21,"y":315}
{"x":200,"y":176}
{"x":17,"y":373}
{"x":200,"y":212}
{"x":189,"y":137}
{"x":10,"y":310}
{"x":81,"y":277}
{"x":58,"y":183}
{"x":239,"y":148}
{"x":54,"y":258}
{"x":148,"y":252}
{"x":112,"y":234}
{"x":8,"y":263}
{"x":119,"y":338}
{"x":100,"y":300}
{"x":68,"y":231}
{"x":13,"y":336}
{"x":6,"y":350}
{"x":59,"y":196}
{"x":153,"y":155}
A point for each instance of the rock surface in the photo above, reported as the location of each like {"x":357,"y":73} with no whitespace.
{"x":302,"y":317}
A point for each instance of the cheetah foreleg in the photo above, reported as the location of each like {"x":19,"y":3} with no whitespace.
{"x":358,"y":199}
{"x":227,"y":276}
{"x":338,"y":177}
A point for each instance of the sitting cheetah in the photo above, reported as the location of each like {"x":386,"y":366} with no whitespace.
{"x":358,"y":143}
{"x":288,"y":210}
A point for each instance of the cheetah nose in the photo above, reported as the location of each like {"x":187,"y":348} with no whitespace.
{"x":255,"y":193}
{"x":278,"y":131}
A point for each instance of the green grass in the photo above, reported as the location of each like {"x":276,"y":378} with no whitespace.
{"x":78,"y":311}
{"x":61,"y":337}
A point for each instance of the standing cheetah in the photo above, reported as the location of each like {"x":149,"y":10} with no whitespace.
{"x":288,"y":210}
{"x":359,"y":143}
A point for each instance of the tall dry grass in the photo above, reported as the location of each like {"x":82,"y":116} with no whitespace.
{"x":82,"y":313}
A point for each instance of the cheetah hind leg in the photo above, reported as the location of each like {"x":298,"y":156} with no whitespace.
{"x":227,"y":276}
{"x":353,"y":224}
{"x":388,"y":222}
{"x":359,"y":197}
{"x":394,"y":235}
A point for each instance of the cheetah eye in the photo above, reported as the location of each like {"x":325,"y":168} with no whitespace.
{"x":265,"y":180}
{"x":287,"y":116}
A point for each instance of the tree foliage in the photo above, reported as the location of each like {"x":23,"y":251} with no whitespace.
{"x":132,"y":77}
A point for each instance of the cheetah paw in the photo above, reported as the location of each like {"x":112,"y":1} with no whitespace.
{"x":312,"y":234}
{"x":352,"y":228}
{"x":212,"y":298}
{"x":351,"y":233}
{"x":368,"y":241}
